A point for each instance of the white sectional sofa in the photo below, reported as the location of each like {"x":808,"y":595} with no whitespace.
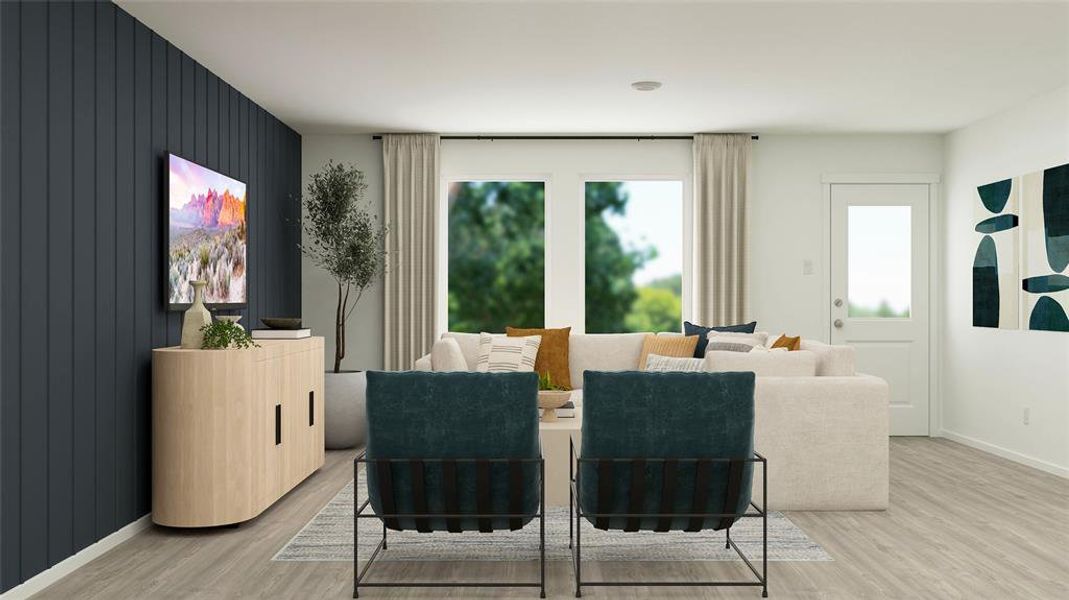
{"x":822,"y":426}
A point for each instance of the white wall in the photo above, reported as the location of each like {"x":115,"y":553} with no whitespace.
{"x":991,"y":375}
{"x":318,"y":290}
{"x":788,"y":220}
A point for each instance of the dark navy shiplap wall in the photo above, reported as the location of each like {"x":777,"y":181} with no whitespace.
{"x":90,"y":102}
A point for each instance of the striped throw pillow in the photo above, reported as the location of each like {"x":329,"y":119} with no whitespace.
{"x":734,"y":342}
{"x":656,"y":362}
{"x":500,"y":354}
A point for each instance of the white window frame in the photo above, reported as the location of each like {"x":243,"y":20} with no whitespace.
{"x":442,"y":271}
{"x":564,"y":167}
{"x":687,"y":234}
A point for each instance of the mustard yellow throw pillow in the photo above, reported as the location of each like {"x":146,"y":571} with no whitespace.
{"x":790,"y":343}
{"x":667,"y":345}
{"x":552,"y":353}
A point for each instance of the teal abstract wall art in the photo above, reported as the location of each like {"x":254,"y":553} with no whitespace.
{"x":995,"y":280}
{"x":1045,"y":249}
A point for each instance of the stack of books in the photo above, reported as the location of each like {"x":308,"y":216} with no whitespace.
{"x":567,"y":411}
{"x":280,"y":334}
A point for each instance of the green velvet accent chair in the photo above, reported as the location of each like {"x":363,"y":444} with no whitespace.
{"x":451,"y":453}
{"x":665,"y":452}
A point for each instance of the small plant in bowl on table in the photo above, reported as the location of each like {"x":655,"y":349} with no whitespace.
{"x":220,"y":335}
{"x":550,"y":397}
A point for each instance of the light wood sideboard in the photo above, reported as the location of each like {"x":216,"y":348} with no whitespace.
{"x":233,"y":430}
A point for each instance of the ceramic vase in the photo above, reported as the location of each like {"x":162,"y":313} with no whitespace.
{"x":196,"y":317}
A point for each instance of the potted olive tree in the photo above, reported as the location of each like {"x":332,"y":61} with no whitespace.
{"x":343,"y":237}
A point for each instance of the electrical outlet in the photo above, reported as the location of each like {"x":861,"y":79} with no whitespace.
{"x":1027,"y":415}
{"x":807,"y":266}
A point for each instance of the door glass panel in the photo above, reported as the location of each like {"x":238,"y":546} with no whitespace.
{"x":879,"y":277}
{"x":496,"y":255}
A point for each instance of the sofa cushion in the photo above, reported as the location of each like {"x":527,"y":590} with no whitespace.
{"x":552,"y":353}
{"x":446,"y":356}
{"x":664,"y":345}
{"x":832,"y":361}
{"x":763,"y":364}
{"x":499,"y":354}
{"x":603,"y":352}
{"x":469,"y":346}
{"x":702,"y":332}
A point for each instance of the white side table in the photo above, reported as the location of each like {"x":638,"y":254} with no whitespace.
{"x":555,"y":436}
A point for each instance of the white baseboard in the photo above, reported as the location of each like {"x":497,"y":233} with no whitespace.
{"x":67,"y":566}
{"x":1016,"y":457}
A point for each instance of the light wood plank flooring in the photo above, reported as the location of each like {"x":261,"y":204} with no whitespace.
{"x":962,"y":524}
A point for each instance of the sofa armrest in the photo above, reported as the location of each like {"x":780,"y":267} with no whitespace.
{"x":826,"y":440}
{"x":423,"y":363}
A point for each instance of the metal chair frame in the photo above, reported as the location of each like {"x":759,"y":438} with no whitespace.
{"x":575,"y":510}
{"x":360,"y":575}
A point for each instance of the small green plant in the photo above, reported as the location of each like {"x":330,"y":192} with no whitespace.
{"x":220,"y":335}
{"x":545,"y":383}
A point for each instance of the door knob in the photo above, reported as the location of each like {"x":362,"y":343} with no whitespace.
{"x":838,"y":323}
{"x":838,"y":302}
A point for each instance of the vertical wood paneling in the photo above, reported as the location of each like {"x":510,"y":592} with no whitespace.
{"x":224,"y":128}
{"x":174,"y":144}
{"x":252,"y":209}
{"x":125,"y":372}
{"x":34,"y":285}
{"x":90,"y":103}
{"x":211,"y":102}
{"x":105,"y":269}
{"x":200,"y":111}
{"x":60,"y":269}
{"x":159,"y":149}
{"x":10,"y":295}
{"x":84,"y":280}
{"x":145,"y":214}
{"x":254,"y":191}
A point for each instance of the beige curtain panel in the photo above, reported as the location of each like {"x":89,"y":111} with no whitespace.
{"x":410,"y":185}
{"x":721,"y":169}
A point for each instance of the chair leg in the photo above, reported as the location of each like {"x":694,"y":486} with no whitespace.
{"x":727,"y":544}
{"x":542,"y":529}
{"x":578,"y":551}
{"x":356,"y":533}
{"x":764,"y":528}
{"x":384,"y":535}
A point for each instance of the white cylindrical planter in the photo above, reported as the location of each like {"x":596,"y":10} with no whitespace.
{"x":345,"y":410}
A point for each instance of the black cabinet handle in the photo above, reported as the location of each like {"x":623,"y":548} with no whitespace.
{"x":278,"y":424}
{"x":311,"y":408}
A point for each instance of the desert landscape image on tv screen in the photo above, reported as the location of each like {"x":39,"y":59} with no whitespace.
{"x":208,"y":234}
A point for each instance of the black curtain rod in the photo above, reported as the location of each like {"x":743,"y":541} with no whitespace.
{"x":566,"y":137}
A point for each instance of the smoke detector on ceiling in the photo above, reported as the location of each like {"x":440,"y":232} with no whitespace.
{"x":646,"y":86}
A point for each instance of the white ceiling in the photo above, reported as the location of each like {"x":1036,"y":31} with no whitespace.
{"x":549,"y":67}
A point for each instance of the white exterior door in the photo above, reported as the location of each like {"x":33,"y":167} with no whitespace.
{"x":879,"y":290}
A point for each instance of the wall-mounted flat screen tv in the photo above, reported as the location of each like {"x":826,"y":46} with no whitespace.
{"x":207,"y":235}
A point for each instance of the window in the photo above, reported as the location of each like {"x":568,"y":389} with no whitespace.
{"x":879,"y":273}
{"x":496,"y":255}
{"x":634,"y":256}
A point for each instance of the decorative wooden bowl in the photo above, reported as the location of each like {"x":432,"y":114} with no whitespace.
{"x":550,"y":400}
{"x":282,"y":322}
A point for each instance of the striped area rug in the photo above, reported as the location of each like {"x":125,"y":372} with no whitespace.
{"x":329,"y":537}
